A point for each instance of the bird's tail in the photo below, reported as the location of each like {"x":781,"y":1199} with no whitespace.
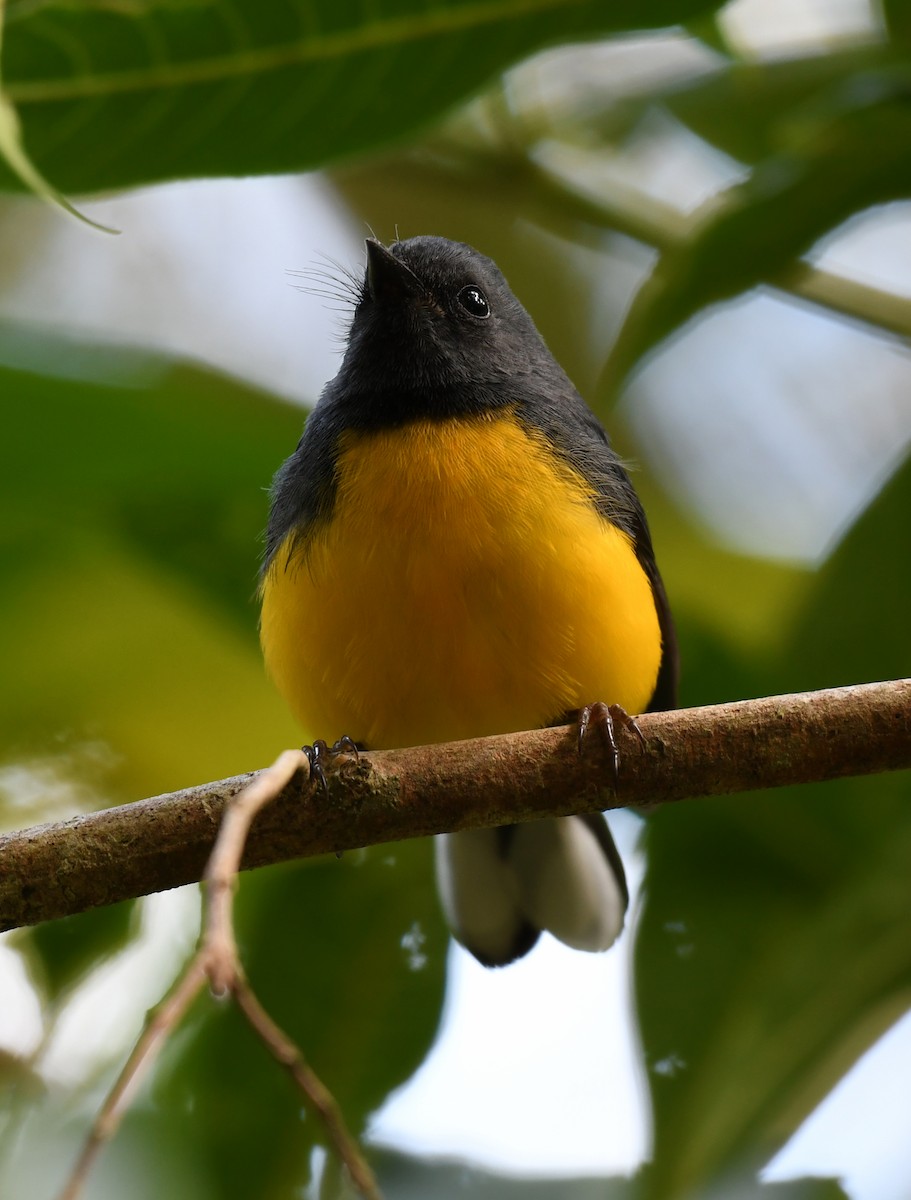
{"x":501,"y":887}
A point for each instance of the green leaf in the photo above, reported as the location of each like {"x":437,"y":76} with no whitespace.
{"x":63,"y":952}
{"x":121,"y":94}
{"x":774,"y":947}
{"x":897,"y":18}
{"x":12,"y":151}
{"x":858,"y":626}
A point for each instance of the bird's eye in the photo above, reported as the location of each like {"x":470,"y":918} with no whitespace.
{"x":473,"y":300}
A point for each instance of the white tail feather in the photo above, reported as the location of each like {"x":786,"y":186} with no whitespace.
{"x":554,"y":875}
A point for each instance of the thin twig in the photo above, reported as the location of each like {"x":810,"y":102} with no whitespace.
{"x":216,"y":959}
{"x":218,"y":944}
{"x":55,"y":870}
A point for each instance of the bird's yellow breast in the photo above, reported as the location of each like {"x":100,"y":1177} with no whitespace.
{"x":465,"y":585}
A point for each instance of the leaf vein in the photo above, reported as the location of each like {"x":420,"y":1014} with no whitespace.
{"x":328,"y":45}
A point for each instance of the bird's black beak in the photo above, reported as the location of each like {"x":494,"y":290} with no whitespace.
{"x":388,"y":279}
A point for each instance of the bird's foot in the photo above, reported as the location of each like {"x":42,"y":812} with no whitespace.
{"x":321,"y":757}
{"x":607,"y":718}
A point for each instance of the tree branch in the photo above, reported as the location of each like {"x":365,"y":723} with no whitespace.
{"x":55,"y":870}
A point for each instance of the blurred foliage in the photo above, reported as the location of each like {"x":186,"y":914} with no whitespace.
{"x":774,"y":945}
{"x":353,"y":977}
{"x":64,"y":951}
{"x":790,"y":898}
{"x":122,"y":94}
{"x":804,"y":179}
{"x":132,"y":520}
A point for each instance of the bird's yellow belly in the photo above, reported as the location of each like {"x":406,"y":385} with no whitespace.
{"x":465,"y":585}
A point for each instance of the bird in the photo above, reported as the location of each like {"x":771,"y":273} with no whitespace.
{"x":455,"y":550}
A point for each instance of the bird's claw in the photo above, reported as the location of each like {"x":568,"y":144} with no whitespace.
{"x":606,"y":718}
{"x":320,"y":756}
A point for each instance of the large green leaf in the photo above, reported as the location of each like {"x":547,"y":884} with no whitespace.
{"x":775,"y":944}
{"x":121,"y":94}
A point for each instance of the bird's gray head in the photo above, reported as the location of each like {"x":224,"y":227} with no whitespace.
{"x":438,"y":331}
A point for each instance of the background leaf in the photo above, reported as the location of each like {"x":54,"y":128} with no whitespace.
{"x":130,"y":552}
{"x":767,"y":957}
{"x":111,"y":96}
{"x":63,"y":952}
